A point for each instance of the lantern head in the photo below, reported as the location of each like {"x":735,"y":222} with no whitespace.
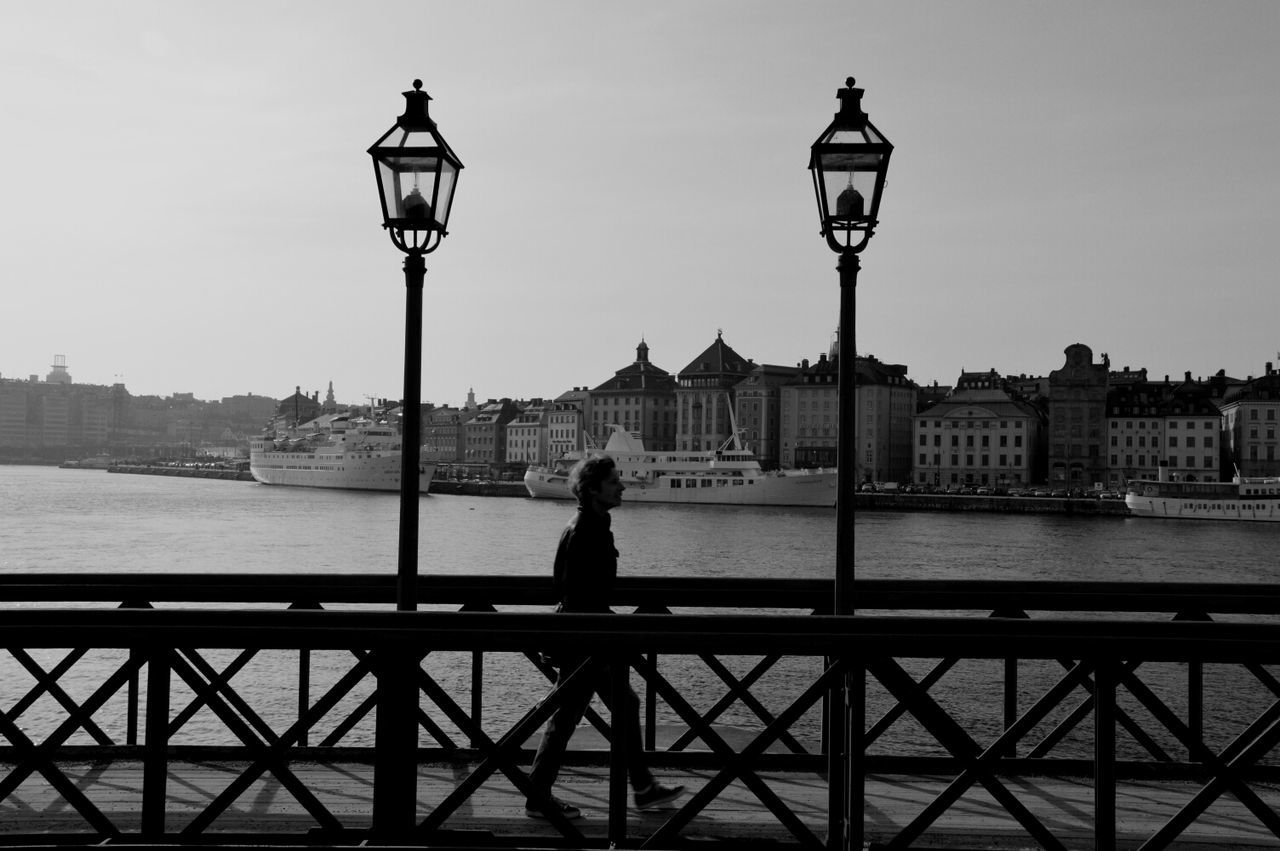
{"x":849,"y":162}
{"x":417,"y":173}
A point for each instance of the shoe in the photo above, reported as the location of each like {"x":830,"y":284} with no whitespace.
{"x":569,"y":811}
{"x":657,"y":796}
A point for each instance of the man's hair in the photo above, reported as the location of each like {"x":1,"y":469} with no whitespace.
{"x":588,"y":475}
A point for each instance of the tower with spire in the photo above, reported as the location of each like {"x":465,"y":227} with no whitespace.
{"x":641,"y":399}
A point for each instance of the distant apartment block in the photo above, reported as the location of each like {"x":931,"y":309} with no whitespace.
{"x":1250,"y":413}
{"x":983,"y":434}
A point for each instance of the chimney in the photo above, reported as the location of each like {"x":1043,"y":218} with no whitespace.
{"x":1269,"y":369}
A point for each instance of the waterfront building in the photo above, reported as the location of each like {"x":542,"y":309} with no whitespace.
{"x":527,"y":436}
{"x":566,"y":421}
{"x":1161,"y":430}
{"x":758,"y":411}
{"x":1251,"y":411}
{"x":885,"y":401}
{"x":704,"y":396}
{"x":441,"y":427}
{"x":484,"y":435}
{"x":299,"y":408}
{"x":1077,"y":415}
{"x":984,"y":434}
{"x":809,"y":409}
{"x":641,"y":397}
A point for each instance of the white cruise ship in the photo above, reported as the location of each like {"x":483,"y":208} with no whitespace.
{"x":354,"y":454}
{"x":1243,"y":499}
{"x":724,"y":476}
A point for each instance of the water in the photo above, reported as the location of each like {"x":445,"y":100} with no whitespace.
{"x":90,"y":520}
{"x":85,"y":520}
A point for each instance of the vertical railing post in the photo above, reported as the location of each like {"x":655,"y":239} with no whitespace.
{"x":395,"y":758}
{"x":155,"y":758}
{"x":855,"y":776}
{"x":651,"y":709}
{"x":132,"y":703}
{"x":477,"y":694}
{"x":1104,"y":757}
{"x":1195,"y":705}
{"x":1195,"y":688}
{"x":619,"y":683}
{"x":304,"y":690}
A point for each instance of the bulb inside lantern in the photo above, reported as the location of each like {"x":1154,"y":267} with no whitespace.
{"x":850,"y":205}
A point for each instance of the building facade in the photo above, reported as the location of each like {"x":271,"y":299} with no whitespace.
{"x":528,"y":435}
{"x":985,"y":434}
{"x":1161,"y":431}
{"x":705,"y":394}
{"x":1251,"y":412}
{"x":758,"y":411}
{"x":639,"y":399}
{"x":1077,"y":420}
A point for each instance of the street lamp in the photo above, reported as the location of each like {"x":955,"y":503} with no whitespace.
{"x":848,"y":162}
{"x":417,"y":173}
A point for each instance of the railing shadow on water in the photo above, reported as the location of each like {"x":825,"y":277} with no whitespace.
{"x":283,"y":680}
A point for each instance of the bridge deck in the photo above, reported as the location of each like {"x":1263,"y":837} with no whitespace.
{"x":269,"y":811}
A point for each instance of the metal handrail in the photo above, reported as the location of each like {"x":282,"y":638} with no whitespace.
{"x":672,"y":592}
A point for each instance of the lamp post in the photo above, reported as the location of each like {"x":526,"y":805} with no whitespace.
{"x":417,"y":173}
{"x":848,"y":163}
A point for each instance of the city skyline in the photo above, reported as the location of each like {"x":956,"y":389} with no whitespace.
{"x":1080,"y":173}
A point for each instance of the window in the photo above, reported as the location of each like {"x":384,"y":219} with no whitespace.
{"x":1173,"y":443}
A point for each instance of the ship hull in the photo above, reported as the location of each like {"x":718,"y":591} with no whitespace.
{"x":1250,"y":501}
{"x":778,"y":489}
{"x":366,"y":471}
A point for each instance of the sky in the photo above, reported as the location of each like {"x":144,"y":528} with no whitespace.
{"x":187,"y":206}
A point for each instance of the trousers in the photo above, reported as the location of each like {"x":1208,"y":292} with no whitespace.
{"x":625,"y":722}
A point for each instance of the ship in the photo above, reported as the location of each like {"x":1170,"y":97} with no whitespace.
{"x":351,"y":453}
{"x":729,"y":475}
{"x":1251,"y":499}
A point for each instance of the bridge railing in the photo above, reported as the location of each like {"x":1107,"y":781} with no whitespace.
{"x":997,"y":680}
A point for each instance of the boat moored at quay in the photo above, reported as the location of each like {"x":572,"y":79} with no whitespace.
{"x":730,"y":475}
{"x":1241,"y":499}
{"x":350,"y":454}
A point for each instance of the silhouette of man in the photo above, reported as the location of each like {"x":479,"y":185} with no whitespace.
{"x":586,"y":567}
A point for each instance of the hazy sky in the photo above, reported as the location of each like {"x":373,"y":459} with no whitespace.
{"x":186,"y":203}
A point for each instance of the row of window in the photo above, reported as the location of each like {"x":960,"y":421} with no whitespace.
{"x":1209,"y":461}
{"x":1207,"y":425}
{"x":1155,"y":441}
{"x":968,"y":460}
{"x":968,"y":440}
{"x":969,"y":424}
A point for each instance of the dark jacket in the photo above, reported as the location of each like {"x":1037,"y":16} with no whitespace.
{"x":586,"y":563}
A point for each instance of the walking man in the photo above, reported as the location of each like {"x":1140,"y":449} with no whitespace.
{"x":586,"y":566}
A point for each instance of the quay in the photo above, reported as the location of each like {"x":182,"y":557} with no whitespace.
{"x":996,"y":504}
